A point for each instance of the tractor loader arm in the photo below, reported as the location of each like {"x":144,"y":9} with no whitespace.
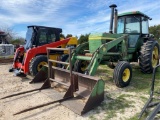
{"x":96,"y":57}
{"x":79,"y":50}
{"x":103,"y":49}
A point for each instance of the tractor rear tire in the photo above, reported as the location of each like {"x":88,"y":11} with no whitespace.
{"x":37,"y":63}
{"x":149,"y":56}
{"x":122,"y":74}
{"x":80,"y":66}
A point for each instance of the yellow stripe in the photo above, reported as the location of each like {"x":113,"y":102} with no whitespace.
{"x":104,"y":38}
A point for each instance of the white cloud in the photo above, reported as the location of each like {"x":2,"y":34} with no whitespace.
{"x":18,"y":11}
{"x":75,"y":17}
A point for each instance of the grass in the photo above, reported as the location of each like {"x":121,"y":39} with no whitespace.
{"x":92,"y":117}
{"x":118,"y":100}
{"x":144,"y":99}
{"x":118,"y":104}
{"x":135,"y":117}
{"x":140,"y":82}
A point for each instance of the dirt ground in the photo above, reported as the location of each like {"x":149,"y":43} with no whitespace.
{"x":10,"y":84}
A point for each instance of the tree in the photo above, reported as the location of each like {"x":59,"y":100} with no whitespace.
{"x":62,"y":36}
{"x":19,"y":41}
{"x":9,"y":31}
{"x":83,"y":38}
{"x":155,"y":30}
{"x":69,"y":35}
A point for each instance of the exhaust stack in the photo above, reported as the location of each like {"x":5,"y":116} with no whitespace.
{"x":115,"y":20}
{"x":113,"y":6}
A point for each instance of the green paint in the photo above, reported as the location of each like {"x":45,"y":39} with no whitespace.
{"x":83,"y":58}
{"x":101,"y":84}
{"x":96,"y":40}
{"x":133,"y":13}
{"x":98,"y":88}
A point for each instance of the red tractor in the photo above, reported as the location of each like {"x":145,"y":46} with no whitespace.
{"x":33,"y":55}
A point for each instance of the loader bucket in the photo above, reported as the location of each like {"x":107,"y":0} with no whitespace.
{"x":89,"y":91}
{"x":85,"y":92}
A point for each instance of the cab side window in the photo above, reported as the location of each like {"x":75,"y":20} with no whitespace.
{"x":43,"y":36}
{"x":51,"y":38}
{"x":46,"y":36}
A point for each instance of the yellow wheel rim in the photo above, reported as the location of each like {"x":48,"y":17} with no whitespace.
{"x":84,"y":66}
{"x":40,"y":65}
{"x":155,"y":56}
{"x":126,"y":75}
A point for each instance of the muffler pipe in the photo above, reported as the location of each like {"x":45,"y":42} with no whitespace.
{"x":113,"y":6}
{"x":115,"y":20}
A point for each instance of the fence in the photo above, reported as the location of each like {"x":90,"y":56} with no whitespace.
{"x":6,"y":50}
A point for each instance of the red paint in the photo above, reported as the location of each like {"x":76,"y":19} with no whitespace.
{"x":31,"y":53}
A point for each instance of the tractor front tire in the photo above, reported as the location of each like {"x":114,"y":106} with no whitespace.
{"x":149,"y":56}
{"x":37,"y":63}
{"x":80,"y":66}
{"x":122,"y":74}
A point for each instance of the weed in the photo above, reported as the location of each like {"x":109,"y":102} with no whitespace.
{"x":144,"y":99}
{"x":92,"y":117}
{"x":116,"y":105}
{"x":140,"y":84}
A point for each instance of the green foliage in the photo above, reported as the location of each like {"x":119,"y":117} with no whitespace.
{"x":62,"y":36}
{"x":155,"y":30}
{"x":83,"y":38}
{"x":69,"y":35}
{"x":18,"y":41}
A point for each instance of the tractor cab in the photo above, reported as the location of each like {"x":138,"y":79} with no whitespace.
{"x":40,"y":35}
{"x":135,"y":24}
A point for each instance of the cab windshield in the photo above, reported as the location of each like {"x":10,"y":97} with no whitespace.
{"x":130,"y":25}
{"x":29,"y":35}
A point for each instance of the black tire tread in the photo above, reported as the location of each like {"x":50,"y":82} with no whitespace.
{"x":145,"y":58}
{"x":34,"y":62}
{"x":77,"y":66}
{"x":117,"y":74}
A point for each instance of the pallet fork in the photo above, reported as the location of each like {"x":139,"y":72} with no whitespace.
{"x":151,"y":101}
{"x":82,"y":92}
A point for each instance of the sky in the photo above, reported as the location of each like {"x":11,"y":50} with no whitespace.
{"x":75,"y":17}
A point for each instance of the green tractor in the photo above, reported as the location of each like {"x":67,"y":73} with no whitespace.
{"x":130,"y":41}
